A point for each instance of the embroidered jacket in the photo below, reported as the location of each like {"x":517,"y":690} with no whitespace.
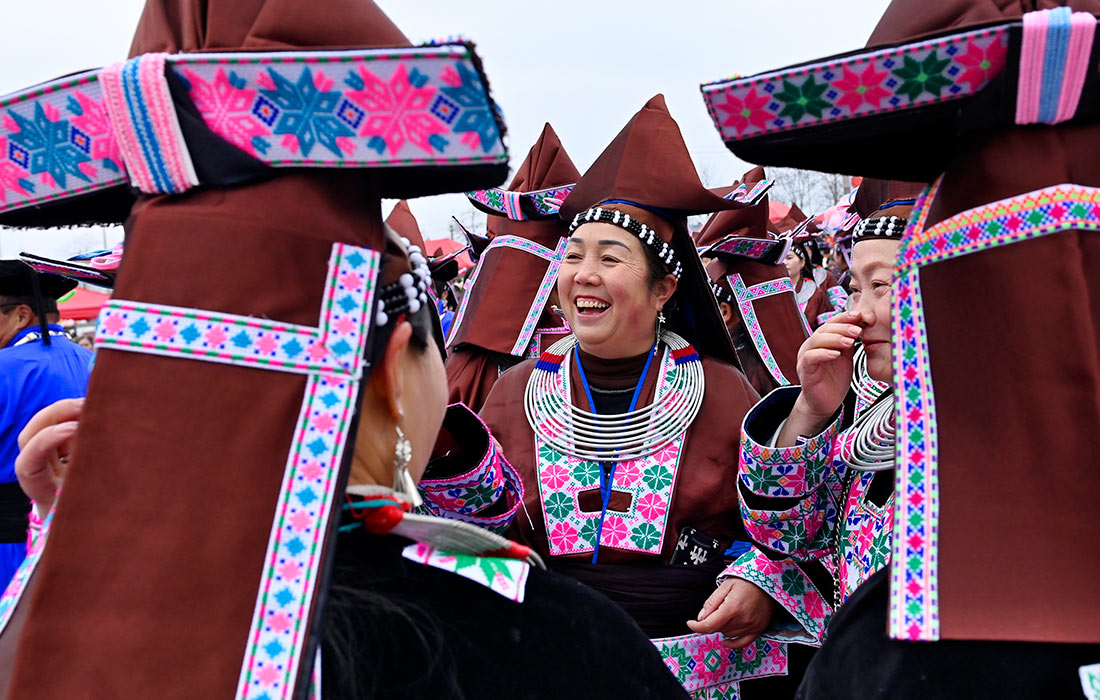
{"x":799,"y":503}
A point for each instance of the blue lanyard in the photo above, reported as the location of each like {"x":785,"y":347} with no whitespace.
{"x":607,"y":476}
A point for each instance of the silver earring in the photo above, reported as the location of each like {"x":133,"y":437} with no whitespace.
{"x":660,"y":323}
{"x":402,"y":479}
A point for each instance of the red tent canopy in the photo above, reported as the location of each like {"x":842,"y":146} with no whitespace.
{"x":439,"y":247}
{"x":84,"y":304}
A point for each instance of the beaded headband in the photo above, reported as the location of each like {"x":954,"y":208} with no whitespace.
{"x":891,"y":227}
{"x":410,"y":291}
{"x":644,"y":233}
{"x":721,"y":293}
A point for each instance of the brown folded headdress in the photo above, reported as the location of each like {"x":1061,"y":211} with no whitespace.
{"x":193,"y":529}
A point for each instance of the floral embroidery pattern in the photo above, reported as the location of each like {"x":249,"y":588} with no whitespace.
{"x":701,"y":663}
{"x":508,"y":577}
{"x":834,"y":90}
{"x":789,"y":586}
{"x":649,"y":481}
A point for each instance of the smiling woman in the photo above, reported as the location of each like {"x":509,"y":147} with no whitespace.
{"x":625,"y":490}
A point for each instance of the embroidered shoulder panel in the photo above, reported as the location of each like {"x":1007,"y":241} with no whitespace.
{"x":507,"y":577}
{"x":889,"y":80}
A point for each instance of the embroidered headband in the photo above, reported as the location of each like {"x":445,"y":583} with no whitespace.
{"x":644,"y":233}
{"x":120,"y":126}
{"x":891,"y":227}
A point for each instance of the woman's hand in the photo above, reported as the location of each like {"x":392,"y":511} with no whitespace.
{"x":739,"y":609}
{"x":825,"y":368}
{"x":46,"y":446}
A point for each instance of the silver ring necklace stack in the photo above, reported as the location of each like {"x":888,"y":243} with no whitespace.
{"x":623,"y":436}
{"x":871,"y":445}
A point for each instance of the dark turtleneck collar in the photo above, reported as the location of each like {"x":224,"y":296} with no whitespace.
{"x":619,"y":373}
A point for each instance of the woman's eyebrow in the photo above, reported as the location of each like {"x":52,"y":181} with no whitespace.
{"x":579,"y":241}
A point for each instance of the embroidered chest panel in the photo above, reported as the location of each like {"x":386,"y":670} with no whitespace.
{"x":649,"y":481}
{"x":864,"y":535}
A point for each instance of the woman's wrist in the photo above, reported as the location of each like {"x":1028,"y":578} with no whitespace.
{"x":803,"y":421}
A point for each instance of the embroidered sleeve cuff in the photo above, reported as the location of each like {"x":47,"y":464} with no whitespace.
{"x":792,"y":589}
{"x":800,"y":531}
{"x":789,"y":472}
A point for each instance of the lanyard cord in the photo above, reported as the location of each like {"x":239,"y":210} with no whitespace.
{"x":607,"y":469}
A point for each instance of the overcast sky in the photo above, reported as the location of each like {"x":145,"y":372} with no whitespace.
{"x":584,"y":66}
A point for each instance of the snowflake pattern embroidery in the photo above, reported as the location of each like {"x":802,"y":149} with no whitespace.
{"x":396,"y":111}
{"x":746,"y":111}
{"x":980,"y":62}
{"x":46,"y":145}
{"x":90,"y":117}
{"x":477,"y":118}
{"x":800,"y":100}
{"x":921,"y":76}
{"x":308,"y":109}
{"x":862,"y":88}
{"x":227,"y":107}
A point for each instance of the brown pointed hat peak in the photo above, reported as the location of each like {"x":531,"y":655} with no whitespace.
{"x":173,"y":26}
{"x":546,"y":165}
{"x":402,"y":221}
{"x":648,"y":164}
{"x":750,"y":222}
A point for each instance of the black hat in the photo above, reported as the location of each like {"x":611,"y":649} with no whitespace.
{"x":17,"y":279}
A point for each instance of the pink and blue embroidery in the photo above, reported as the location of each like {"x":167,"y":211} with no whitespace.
{"x":650,"y":481}
{"x":365,"y":108}
{"x":745,"y":297}
{"x":538,"y":304}
{"x":334,"y":370}
{"x":1054,"y":60}
{"x":56,"y":140}
{"x":36,"y":543}
{"x":906,"y":77}
{"x":707,"y":669}
{"x":466,"y":496}
{"x":914,"y":598}
{"x":141,"y":109}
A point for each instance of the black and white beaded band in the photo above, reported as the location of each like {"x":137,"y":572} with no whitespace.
{"x":721,"y":293}
{"x":410,"y":291}
{"x":644,"y":233}
{"x":880,"y":227}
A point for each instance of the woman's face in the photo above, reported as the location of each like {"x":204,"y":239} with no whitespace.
{"x":603,"y":285}
{"x":872,"y":297}
{"x":794,"y":265}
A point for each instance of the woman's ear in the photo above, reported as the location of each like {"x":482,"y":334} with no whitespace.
{"x":727,"y":312}
{"x":392,"y":386}
{"x":664,"y":289}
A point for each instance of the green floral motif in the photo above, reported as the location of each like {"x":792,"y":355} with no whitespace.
{"x":548,"y":455}
{"x":586,"y":473}
{"x":792,"y":582}
{"x":587,"y":533}
{"x":559,"y":505}
{"x":489,"y":566}
{"x":646,"y":536}
{"x":920,"y":76}
{"x":800,"y":100}
{"x":657,"y":477}
{"x":680,"y":656}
